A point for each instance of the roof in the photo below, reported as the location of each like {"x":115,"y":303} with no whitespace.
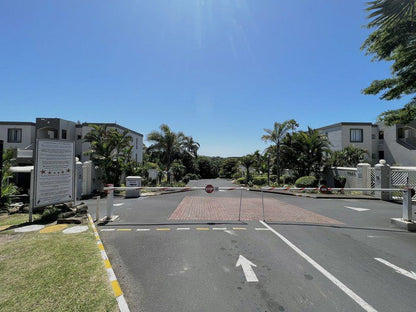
{"x":346,"y":124}
{"x":111,"y":125}
{"x":23,"y":123}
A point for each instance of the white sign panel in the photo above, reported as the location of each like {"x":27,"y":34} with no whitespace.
{"x":54,"y":172}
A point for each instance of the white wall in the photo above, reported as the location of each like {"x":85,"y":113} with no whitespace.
{"x":367,"y":143}
{"x":394,"y":153}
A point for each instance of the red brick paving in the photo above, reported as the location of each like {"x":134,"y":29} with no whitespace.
{"x":226,"y":209}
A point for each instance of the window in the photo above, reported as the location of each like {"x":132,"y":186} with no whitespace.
{"x":380,"y":154}
{"x":373,"y":136}
{"x":381,"y":135}
{"x":79,"y":136}
{"x":137,"y":144}
{"x":63,"y":134}
{"x":356,"y":135}
{"x":14,"y":135}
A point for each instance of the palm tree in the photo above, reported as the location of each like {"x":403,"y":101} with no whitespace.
{"x":166,"y":145}
{"x":190,"y":146}
{"x":247,"y":161}
{"x":276,"y":136}
{"x":110,"y":150}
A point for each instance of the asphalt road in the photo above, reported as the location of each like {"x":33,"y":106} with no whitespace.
{"x":351,"y":260}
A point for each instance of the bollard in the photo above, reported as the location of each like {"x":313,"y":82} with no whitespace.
{"x":407,"y":204}
{"x":239,"y":211}
{"x":97,"y":209}
{"x":262,"y":203}
{"x":110,"y":201}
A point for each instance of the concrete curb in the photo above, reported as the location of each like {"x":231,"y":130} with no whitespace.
{"x":122,"y":304}
{"x":334,"y":196}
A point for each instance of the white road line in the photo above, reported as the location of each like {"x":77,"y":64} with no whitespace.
{"x":261,"y":229}
{"x":399,"y":270}
{"x":183,"y":229}
{"x":118,"y":205}
{"x":357,"y":208}
{"x":142,"y":230}
{"x":107,"y":230}
{"x":219,"y":229}
{"x":332,"y":278}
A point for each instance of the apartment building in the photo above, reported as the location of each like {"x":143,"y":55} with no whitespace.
{"x":22,"y":136}
{"x":395,"y":144}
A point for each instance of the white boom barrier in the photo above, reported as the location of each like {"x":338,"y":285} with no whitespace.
{"x":110,"y":194}
{"x":407,"y":212}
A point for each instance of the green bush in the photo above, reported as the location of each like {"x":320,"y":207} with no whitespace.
{"x":286,"y":179}
{"x":260,"y":180}
{"x":307,"y":181}
{"x":340,"y":181}
{"x":273,"y":178}
{"x":241,"y":180}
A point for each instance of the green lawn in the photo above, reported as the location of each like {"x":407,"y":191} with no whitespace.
{"x":17,"y":218}
{"x":53,"y":272}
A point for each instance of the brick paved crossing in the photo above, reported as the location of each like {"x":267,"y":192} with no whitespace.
{"x":226,"y":209}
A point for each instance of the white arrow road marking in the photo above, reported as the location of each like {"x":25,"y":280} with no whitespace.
{"x":118,"y":205}
{"x":356,"y":208}
{"x":410,"y":274}
{"x":247,"y":268}
{"x":367,"y":307}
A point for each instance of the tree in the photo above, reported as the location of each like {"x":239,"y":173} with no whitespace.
{"x":394,"y":39}
{"x":166,"y":145}
{"x":349,"y":156}
{"x":228,"y":168}
{"x":110,"y":150}
{"x":190,"y":146}
{"x":276,"y":136}
{"x":247,"y":161}
{"x":305,"y":152}
{"x":7,"y":188}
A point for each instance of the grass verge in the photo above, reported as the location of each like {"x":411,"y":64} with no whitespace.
{"x":53,"y":272}
{"x":16,"y":219}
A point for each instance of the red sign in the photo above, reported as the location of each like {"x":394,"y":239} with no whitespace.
{"x":209,"y":188}
{"x":323,"y":189}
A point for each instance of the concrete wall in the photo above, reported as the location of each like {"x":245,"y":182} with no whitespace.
{"x":28,"y":134}
{"x":335,"y":137}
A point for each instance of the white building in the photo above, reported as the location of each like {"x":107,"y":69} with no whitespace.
{"x":396,"y":144}
{"x":21,"y":136}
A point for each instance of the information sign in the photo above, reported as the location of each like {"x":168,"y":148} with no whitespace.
{"x":54,"y":172}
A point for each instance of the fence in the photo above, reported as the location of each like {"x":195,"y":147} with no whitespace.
{"x":402,"y":177}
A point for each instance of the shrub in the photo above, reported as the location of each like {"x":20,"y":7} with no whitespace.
{"x":273,"y":178}
{"x":307,"y":181}
{"x":241,"y":180}
{"x":260,"y":180}
{"x":286,"y":179}
{"x":340,"y":181}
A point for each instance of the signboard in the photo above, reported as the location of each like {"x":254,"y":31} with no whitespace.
{"x":54,"y":172}
{"x":209,"y":189}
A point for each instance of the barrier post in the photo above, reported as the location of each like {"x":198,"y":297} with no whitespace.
{"x":239,"y":211}
{"x":407,"y":205}
{"x":110,"y":202}
{"x":262,"y":203}
{"x":97,"y":209}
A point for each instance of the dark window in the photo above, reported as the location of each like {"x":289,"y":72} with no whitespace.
{"x":381,"y":135}
{"x":356,"y":135}
{"x":401,"y":134}
{"x":380,"y":154}
{"x":63,"y":136}
{"x":14,"y":135}
{"x":79,"y":136}
{"x":373,"y":136}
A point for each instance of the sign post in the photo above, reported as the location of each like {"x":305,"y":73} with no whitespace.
{"x":54,"y":181}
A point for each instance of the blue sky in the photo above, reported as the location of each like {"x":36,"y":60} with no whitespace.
{"x":219,"y":70}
